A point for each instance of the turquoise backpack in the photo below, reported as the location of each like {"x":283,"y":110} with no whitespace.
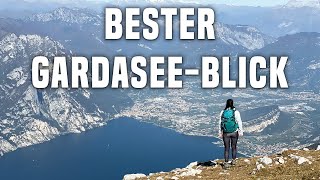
{"x":228,"y":121}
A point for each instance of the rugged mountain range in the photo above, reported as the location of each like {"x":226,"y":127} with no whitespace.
{"x":303,"y":68}
{"x":66,"y":15}
{"x":303,"y":3}
{"x":30,"y":116}
{"x":82,"y":31}
{"x":296,"y":16}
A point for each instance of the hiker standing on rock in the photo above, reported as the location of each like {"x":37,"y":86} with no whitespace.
{"x":230,"y":128}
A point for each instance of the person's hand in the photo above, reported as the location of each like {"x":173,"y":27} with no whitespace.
{"x":220,"y":135}
{"x":240,"y":133}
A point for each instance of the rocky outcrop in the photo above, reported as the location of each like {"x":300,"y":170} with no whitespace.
{"x":292,"y":164}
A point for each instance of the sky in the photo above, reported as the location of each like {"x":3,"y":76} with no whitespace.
{"x":251,"y":2}
{"x":229,"y":2}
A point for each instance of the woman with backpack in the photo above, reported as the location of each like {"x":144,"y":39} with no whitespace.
{"x":230,"y":128}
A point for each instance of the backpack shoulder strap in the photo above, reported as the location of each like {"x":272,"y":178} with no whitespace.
{"x":234,"y":114}
{"x":222,"y":112}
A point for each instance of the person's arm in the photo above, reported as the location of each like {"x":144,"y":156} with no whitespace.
{"x":239,"y":121}
{"x":219,"y":125}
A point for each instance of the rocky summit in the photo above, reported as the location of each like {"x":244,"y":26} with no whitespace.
{"x":289,"y":164}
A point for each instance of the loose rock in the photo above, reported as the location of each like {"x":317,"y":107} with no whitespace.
{"x":133,"y":176}
{"x":284,"y":149}
{"x":259,"y":166}
{"x":266,"y":160}
{"x":192,"y":164}
{"x":281,"y":160}
{"x":300,"y":159}
{"x":191,"y":172}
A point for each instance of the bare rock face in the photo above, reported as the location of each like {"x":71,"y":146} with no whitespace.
{"x":246,"y":36}
{"x":30,"y":116}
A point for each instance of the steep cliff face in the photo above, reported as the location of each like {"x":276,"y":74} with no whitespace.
{"x":29,"y":116}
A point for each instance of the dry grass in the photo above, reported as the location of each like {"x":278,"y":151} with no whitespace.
{"x":244,"y":170}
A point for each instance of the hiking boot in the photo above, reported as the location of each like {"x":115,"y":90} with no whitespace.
{"x":233,"y":162}
{"x":226,"y":165}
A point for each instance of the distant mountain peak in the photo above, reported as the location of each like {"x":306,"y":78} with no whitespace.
{"x":13,"y":46}
{"x":246,"y":36}
{"x":122,"y":2}
{"x":303,"y":3}
{"x":74,"y":16}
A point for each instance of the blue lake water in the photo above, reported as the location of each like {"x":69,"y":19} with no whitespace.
{"x":123,"y":146}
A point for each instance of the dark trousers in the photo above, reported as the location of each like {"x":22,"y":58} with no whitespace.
{"x":230,"y":139}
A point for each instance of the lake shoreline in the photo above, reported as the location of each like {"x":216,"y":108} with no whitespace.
{"x":123,"y":146}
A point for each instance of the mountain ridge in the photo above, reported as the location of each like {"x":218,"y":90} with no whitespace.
{"x":31,"y":116}
{"x":303,"y":3}
{"x":68,"y":15}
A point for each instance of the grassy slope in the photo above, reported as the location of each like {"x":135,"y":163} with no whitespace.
{"x":247,"y":170}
